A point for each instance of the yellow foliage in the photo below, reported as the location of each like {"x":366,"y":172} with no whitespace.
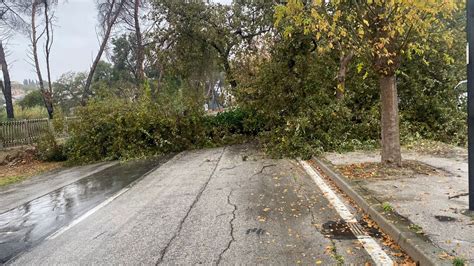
{"x":383,"y":29}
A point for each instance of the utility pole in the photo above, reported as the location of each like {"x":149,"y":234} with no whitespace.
{"x":470,"y":98}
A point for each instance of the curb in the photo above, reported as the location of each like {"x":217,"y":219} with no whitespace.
{"x":419,"y":249}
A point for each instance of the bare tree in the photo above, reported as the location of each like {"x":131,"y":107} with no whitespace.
{"x":140,"y":50}
{"x":10,"y":21}
{"x":11,"y":18}
{"x":48,"y":44}
{"x":35,"y":36}
{"x":109,"y":11}
{"x":6,"y":84}
{"x":132,"y":19}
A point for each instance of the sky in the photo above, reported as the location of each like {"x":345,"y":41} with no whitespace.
{"x":75,"y":42}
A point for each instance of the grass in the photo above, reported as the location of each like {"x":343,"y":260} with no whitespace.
{"x":11,"y":180}
{"x":11,"y":175}
{"x":339,"y":258}
{"x":459,"y":262}
{"x":416,"y":228}
{"x":387,"y":207}
{"x":26,"y":113}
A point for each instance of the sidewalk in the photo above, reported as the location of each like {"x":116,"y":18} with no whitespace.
{"x":429,"y":190}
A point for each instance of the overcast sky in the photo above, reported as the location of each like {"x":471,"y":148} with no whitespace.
{"x":75,"y":42}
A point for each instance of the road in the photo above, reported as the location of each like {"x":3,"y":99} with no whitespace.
{"x":216,"y":206}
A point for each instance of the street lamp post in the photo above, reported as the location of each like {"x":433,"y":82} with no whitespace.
{"x":470,"y":99}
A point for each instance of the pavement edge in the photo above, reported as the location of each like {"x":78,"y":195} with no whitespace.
{"x":423,"y":252}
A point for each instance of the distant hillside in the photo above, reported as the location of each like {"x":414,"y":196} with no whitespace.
{"x":19,"y":91}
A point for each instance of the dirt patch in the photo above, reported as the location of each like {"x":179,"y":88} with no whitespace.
{"x":371,"y":170}
{"x":19,"y":164}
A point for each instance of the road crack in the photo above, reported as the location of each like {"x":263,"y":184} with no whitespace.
{"x":198,"y":196}
{"x":300,"y":190}
{"x":263,"y":168}
{"x":228,"y":168}
{"x":231,"y":222}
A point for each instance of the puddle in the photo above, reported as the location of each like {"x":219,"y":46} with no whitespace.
{"x":25,"y":226}
{"x":337,"y":230}
{"x":443,"y":218}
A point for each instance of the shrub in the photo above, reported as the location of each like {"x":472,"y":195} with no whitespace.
{"x":119,"y":129}
{"x":293,"y":93}
{"x":48,"y":149}
{"x":232,"y":126}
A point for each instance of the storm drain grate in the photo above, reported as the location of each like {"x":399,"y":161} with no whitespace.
{"x":343,"y":230}
{"x":356,"y":229}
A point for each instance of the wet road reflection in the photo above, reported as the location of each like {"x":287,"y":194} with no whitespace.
{"x":26,"y":225}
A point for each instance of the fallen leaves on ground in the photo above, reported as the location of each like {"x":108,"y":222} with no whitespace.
{"x":445,"y":256}
{"x":19,"y":165}
{"x":371,"y":170}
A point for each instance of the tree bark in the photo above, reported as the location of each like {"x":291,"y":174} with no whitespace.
{"x":6,"y":85}
{"x":47,"y":97}
{"x":391,"y":153}
{"x":48,"y":45}
{"x":341,"y":75}
{"x":140,"y":49}
{"x":229,"y":73}
{"x":112,"y":18}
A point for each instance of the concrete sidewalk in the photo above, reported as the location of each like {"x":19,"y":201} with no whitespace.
{"x":433,"y":199}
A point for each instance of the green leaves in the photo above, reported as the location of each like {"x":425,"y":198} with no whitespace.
{"x":118,"y":129}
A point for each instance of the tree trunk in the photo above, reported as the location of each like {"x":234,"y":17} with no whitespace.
{"x":157,"y":89}
{"x":6,"y":85}
{"x":230,"y":75}
{"x":110,"y":23}
{"x":48,"y":45}
{"x":391,"y":153}
{"x":47,"y":97}
{"x":341,"y":75}
{"x":140,"y":50}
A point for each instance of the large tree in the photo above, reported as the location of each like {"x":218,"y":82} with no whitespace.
{"x":37,"y":32}
{"x":383,"y":31}
{"x":222,"y":28}
{"x":133,"y":19}
{"x":109,"y":11}
{"x":11,"y":21}
{"x":68,"y":90}
{"x":6,"y":84}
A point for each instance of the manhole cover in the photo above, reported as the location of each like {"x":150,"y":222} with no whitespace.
{"x":337,"y":230}
{"x":443,"y":218}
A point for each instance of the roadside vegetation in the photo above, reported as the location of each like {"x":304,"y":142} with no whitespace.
{"x":19,"y":164}
{"x":273,"y":72}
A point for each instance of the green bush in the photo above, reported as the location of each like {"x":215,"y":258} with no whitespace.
{"x":293,"y":93}
{"x":32,"y":99}
{"x":119,"y":129}
{"x":48,"y":149}
{"x":232,"y":126}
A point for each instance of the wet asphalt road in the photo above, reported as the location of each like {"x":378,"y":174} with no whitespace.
{"x":227,"y":205}
{"x":26,"y":225}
